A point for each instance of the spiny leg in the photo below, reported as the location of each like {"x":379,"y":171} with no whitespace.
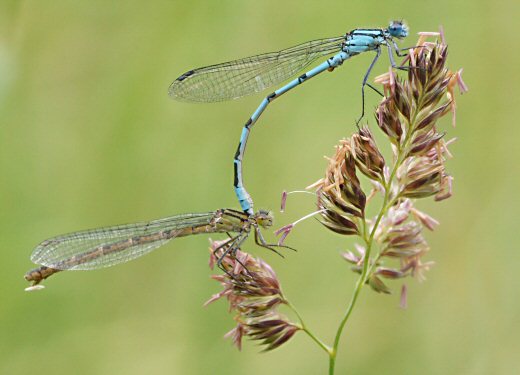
{"x":365,"y":78}
{"x":233,"y":244}
{"x":260,"y":241}
{"x":393,"y":63}
{"x":220,"y":247}
{"x":230,"y":243}
{"x":399,"y":50}
{"x":375,"y":89}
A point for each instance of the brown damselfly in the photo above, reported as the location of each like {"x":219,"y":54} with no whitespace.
{"x":104,"y":247}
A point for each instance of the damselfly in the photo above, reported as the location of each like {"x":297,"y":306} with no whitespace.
{"x":105,"y":247}
{"x":253,"y":74}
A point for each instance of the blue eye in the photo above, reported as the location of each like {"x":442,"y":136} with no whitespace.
{"x":397,"y":29}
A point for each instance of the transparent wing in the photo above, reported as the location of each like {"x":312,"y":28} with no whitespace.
{"x":246,"y":76}
{"x":104,"y":247}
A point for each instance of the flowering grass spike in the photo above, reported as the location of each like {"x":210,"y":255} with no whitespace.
{"x":408,"y":116}
{"x":253,"y":291}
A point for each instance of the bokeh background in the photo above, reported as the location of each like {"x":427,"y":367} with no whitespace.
{"x":89,"y":137}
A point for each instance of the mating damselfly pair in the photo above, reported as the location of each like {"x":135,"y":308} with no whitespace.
{"x":103,"y":247}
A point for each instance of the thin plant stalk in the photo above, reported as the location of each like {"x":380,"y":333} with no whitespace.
{"x":387,"y":203}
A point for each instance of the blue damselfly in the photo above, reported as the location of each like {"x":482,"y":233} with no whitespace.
{"x":253,"y":74}
{"x":108,"y":246}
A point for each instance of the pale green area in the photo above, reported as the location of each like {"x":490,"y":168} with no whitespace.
{"x":89,"y":137}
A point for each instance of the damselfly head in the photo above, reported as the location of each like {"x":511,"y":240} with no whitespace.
{"x":264,"y":218}
{"x":398,"y":29}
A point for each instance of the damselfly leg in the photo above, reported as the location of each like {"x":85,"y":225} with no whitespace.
{"x":365,"y":79}
{"x":260,"y":241}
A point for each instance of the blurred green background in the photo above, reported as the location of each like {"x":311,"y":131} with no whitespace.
{"x":89,"y":137}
